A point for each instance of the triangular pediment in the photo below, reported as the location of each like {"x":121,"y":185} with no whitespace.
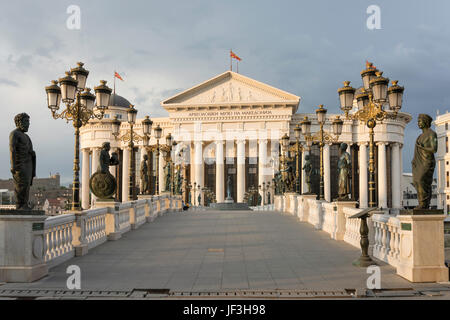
{"x":230,"y":88}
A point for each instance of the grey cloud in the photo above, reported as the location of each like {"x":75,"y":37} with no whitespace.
{"x":7,"y":82}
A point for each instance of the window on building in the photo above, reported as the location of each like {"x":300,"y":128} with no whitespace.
{"x":106,"y":116}
{"x":119,"y":116}
{"x":446,"y":144}
{"x":446,"y":126}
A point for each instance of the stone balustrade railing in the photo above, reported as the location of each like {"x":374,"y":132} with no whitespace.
{"x":414,"y":244}
{"x":58,"y":238}
{"x":386,"y":238}
{"x":352,"y":235}
{"x":54,"y":240}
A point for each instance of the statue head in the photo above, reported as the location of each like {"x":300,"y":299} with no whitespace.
{"x":22,"y":121}
{"x":307,"y":157}
{"x":106,"y":146}
{"x":424,"y":121}
{"x":343,"y":147}
{"x":145,"y":157}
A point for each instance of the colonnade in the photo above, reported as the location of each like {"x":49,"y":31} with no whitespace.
{"x":265,"y":174}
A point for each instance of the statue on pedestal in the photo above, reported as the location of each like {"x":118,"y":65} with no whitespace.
{"x":178,"y":182}
{"x":423,"y":163}
{"x":344,"y":169}
{"x":144,"y":176}
{"x":23,"y":161}
{"x":308,"y":171}
{"x":168,"y":176}
{"x":102,"y":183}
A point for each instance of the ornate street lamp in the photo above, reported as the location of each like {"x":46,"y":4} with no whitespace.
{"x":321,"y":137}
{"x":370,"y":110}
{"x":81,"y":106}
{"x":132,"y":137}
{"x":370,"y":103}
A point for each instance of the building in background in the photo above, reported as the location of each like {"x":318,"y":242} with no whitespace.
{"x":230,"y":126}
{"x":56,"y":206}
{"x":443,"y":161}
{"x":410,"y":194}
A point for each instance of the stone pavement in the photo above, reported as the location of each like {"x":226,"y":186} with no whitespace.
{"x":217,"y":250}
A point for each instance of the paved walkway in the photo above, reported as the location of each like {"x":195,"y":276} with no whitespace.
{"x":212,"y":250}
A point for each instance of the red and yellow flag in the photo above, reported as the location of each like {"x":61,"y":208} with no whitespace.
{"x":233,"y":55}
{"x":117,"y":76}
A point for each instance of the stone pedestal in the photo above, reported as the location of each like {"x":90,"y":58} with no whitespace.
{"x":422,"y":252}
{"x":279,"y":203}
{"x":304,"y":216}
{"x":340,"y":218}
{"x":291,"y":199}
{"x":22,"y":245}
{"x":112,"y":218}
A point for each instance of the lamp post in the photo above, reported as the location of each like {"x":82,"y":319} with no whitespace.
{"x":297,"y":149}
{"x":131,"y":137}
{"x":321,"y":137}
{"x":374,"y":95}
{"x":81,"y":106}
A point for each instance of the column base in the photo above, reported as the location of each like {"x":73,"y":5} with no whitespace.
{"x":364,"y":262}
{"x":23,"y":274}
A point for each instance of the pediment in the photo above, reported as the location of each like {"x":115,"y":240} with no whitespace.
{"x":231,"y":88}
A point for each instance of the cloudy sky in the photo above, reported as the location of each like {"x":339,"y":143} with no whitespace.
{"x":161,"y":47}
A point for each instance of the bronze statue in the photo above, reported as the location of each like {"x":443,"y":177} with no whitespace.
{"x":229,"y":188}
{"x":105,"y":159}
{"x":102,"y":183}
{"x":423,"y":163}
{"x":178,"y":181}
{"x":308,"y":170}
{"x":168,"y":175}
{"x":344,"y":169}
{"x":144,"y":176}
{"x":23,"y":161}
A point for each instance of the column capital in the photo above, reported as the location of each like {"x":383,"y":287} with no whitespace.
{"x":217,"y":142}
{"x":263,"y":140}
{"x":241,"y":141}
{"x":381,"y":143}
{"x":363,"y":143}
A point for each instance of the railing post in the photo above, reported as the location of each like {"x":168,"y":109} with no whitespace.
{"x":79,"y":234}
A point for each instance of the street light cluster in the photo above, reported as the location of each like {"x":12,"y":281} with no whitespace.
{"x":374,"y":95}
{"x":80,"y":108}
{"x":370,"y":101}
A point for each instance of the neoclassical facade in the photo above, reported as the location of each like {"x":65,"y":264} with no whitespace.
{"x":230,"y":126}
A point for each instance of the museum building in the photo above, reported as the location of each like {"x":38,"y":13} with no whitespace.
{"x":231,"y":126}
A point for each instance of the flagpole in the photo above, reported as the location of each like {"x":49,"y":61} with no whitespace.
{"x":237,"y":66}
{"x":231,"y":61}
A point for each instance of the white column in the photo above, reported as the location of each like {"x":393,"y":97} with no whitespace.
{"x":198,"y":162}
{"x":240,"y":170}
{"x":326,"y":172}
{"x":400,"y":173}
{"x":382,"y":175}
{"x":85,"y":179}
{"x":396,"y":184}
{"x":220,"y":179}
{"x":126,"y":175}
{"x":95,"y":163}
{"x":161,"y":180}
{"x":363,"y":181}
{"x":262,"y":161}
{"x":304,"y":186}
